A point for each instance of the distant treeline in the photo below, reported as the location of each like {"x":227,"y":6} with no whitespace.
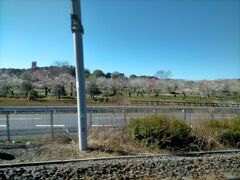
{"x":60,"y":81}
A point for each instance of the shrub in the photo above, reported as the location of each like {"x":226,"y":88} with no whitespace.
{"x":160,"y":129}
{"x":180,"y":132}
{"x":235,"y":124}
{"x":228,"y":131}
{"x":231,"y":137}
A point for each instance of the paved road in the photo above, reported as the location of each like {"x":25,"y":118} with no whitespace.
{"x":28,"y":123}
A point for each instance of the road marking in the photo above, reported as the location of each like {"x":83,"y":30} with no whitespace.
{"x":25,"y":118}
{"x":95,"y":125}
{"x":55,"y":125}
{"x":3,"y":125}
{"x":2,"y":119}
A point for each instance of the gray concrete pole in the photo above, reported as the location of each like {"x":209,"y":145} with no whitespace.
{"x":77,"y":30}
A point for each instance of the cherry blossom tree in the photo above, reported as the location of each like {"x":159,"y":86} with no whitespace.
{"x":92,"y":87}
{"x":137,"y":85}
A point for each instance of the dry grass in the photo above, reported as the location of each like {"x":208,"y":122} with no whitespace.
{"x":43,"y":102}
{"x":101,"y":143}
{"x":53,"y":102}
{"x":206,"y":140}
{"x":117,"y":141}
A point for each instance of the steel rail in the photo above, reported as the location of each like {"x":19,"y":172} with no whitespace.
{"x":62,"y":162}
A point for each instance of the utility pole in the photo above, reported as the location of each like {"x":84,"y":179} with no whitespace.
{"x":77,"y":30}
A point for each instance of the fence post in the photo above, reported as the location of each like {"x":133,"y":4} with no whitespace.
{"x":8,"y":127}
{"x":185,"y":114}
{"x":238,"y":109}
{"x":90,"y":119}
{"x":125,"y":117}
{"x":212,"y":113}
{"x":52,"y":129}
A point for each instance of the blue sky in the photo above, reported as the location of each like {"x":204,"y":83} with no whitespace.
{"x":194,"y":39}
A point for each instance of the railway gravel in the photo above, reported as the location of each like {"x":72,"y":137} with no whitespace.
{"x":214,"y":166}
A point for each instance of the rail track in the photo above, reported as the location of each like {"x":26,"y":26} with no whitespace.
{"x":195,"y":165}
{"x":177,"y":154}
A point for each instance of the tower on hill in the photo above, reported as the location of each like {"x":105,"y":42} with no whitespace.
{"x":34,"y":64}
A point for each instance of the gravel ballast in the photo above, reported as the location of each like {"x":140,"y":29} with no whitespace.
{"x":217,"y":166}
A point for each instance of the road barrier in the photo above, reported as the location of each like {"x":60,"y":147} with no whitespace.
{"x":37,"y":122}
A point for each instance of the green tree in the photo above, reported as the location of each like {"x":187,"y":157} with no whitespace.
{"x":108,"y":75}
{"x":87,"y":73}
{"x":98,"y":73}
{"x":133,"y":76}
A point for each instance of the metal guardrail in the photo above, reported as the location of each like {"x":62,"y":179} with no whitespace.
{"x":13,"y":109}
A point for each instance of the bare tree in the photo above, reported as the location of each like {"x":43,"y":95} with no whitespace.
{"x":61,"y":63}
{"x":162,"y":74}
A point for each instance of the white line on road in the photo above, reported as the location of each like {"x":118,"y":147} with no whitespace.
{"x":26,"y":118}
{"x":3,"y":125}
{"x":61,"y":125}
{"x":21,"y":119}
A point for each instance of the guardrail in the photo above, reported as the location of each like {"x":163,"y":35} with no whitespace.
{"x":31,"y":122}
{"x":13,"y":109}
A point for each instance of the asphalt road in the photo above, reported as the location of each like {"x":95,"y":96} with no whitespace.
{"x":38,"y":124}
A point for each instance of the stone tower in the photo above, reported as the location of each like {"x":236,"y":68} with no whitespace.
{"x":34,"y":64}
